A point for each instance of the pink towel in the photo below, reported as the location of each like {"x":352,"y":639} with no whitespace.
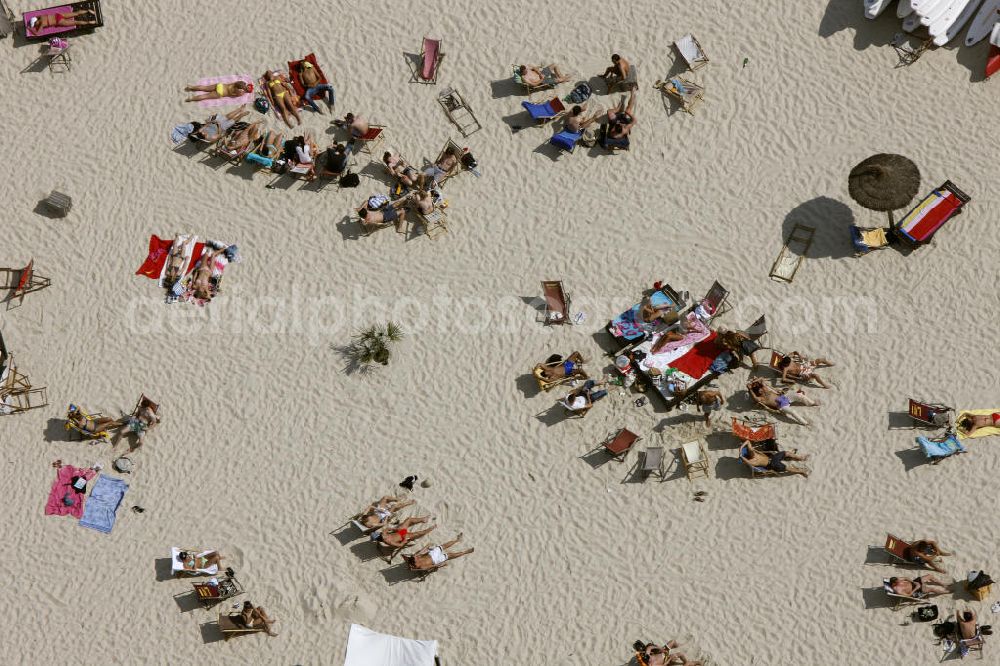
{"x":62,"y":485}
{"x":226,"y":101}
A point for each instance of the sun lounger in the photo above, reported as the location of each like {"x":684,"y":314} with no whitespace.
{"x":868,"y":239}
{"x":919,"y":225}
{"x":930,"y":414}
{"x":691,"y":52}
{"x":178,"y":568}
{"x":619,"y":444}
{"x":695,"y":459}
{"x":459,"y":112}
{"x":898,"y":599}
{"x":557,"y":302}
{"x":431,"y":55}
{"x":231,"y":624}
{"x":92,"y":6}
{"x":545,"y":111}
{"x":937,"y":450}
{"x":26,"y":282}
{"x":566,"y":140}
{"x":896,"y":548}
{"x":776,"y":357}
{"x":687,"y":93}
{"x":209,"y":594}
{"x":17,"y":395}
{"x":793,"y":253}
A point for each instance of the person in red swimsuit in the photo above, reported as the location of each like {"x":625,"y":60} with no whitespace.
{"x":971,"y":423}
{"x":38,"y":23}
{"x":402,"y":535}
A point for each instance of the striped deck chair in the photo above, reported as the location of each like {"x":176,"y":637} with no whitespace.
{"x":937,"y":450}
{"x":920,"y":224}
{"x":431,"y":56}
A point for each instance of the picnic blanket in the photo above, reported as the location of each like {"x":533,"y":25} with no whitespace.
{"x":927,"y":216}
{"x":943,"y":449}
{"x":226,"y":101}
{"x":63,"y":486}
{"x":628,"y":324}
{"x":293,"y":73}
{"x":980,"y":432}
{"x":697,"y":361}
{"x":105,"y":498}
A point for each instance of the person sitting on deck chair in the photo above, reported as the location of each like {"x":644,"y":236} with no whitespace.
{"x":141,"y":422}
{"x":436,"y":172}
{"x":215,"y":127}
{"x":402,"y":535}
{"x":925,"y":551}
{"x":919,"y":587}
{"x":779,"y":401}
{"x":432,"y":557}
{"x":796,"y":364}
{"x":378,"y":513}
{"x":569,"y":367}
{"x":255,"y":616}
{"x":405,"y":174}
{"x":373,"y":218}
{"x":91,"y":426}
{"x":335,"y":162}
{"x":740,"y":344}
{"x":577,"y":122}
{"x":549,"y":75}
{"x":659,"y":655}
{"x":768,"y":455}
{"x":584,"y":397}
{"x":621,"y":119}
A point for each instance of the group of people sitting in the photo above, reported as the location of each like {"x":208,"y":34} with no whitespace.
{"x":387,"y":530}
{"x":137,"y":423}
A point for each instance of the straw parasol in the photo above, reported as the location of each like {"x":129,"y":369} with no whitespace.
{"x":884,"y":182}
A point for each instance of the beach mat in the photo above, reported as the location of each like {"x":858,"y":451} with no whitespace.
{"x":156,"y":258}
{"x":226,"y":101}
{"x":55,"y":506}
{"x":980,"y":432}
{"x":696,"y":362}
{"x":93,"y":6}
{"x":100,"y":511}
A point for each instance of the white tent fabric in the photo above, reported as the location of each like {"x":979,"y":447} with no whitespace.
{"x":370,"y":648}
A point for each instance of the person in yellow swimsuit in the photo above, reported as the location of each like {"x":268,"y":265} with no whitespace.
{"x":219,"y":90}
{"x":282,"y":97}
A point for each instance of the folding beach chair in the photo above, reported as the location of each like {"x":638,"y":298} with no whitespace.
{"x":652,"y":463}
{"x":757,"y":472}
{"x":691,"y":51}
{"x":695,"y":459}
{"x":896,"y":548}
{"x":566,"y":140}
{"x":754,"y":430}
{"x":687,"y":93}
{"x":372,"y":139}
{"x":869,"y":239}
{"x":620,"y":443}
{"x":545,"y":111}
{"x":142,"y":403}
{"x":434,"y":223}
{"x":757,"y":330}
{"x":231,"y":624}
{"x":899,"y":599}
{"x":84,"y":434}
{"x":431,"y":55}
{"x":793,"y":253}
{"x":941,"y":448}
{"x":557,"y":302}
{"x":6,"y":19}
{"x":233,"y":156}
{"x":459,"y":112}
{"x":17,"y":395}
{"x":907,"y":54}
{"x":226,"y":588}
{"x":630,"y":81}
{"x":716,"y":301}
{"x":776,"y":357}
{"x":938,"y":416}
{"x":453,"y":148}
{"x":549,"y":384}
{"x":92,"y":6}
{"x":547,"y":82}
{"x":967,"y":645}
{"x":919,"y":225}
{"x":26,"y":282}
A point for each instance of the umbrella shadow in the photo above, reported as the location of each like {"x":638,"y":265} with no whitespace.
{"x":831,"y":219}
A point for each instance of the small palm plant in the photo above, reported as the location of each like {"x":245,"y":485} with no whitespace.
{"x":374,"y":344}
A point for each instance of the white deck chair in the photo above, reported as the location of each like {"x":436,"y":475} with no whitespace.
{"x":691,"y":51}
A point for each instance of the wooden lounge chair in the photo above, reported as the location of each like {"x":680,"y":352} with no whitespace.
{"x":776,"y":357}
{"x":209,"y":595}
{"x":459,"y":112}
{"x":919,"y":225}
{"x":691,"y":51}
{"x":431,"y":55}
{"x":549,"y":384}
{"x":652,"y":463}
{"x":557,"y":302}
{"x":695,"y":459}
{"x":793,"y":253}
{"x":26,"y":282}
{"x":434,"y":223}
{"x":372,"y":139}
{"x":231,"y":624}
{"x":17,"y":395}
{"x":620,"y":443}
{"x":456,"y":150}
{"x":687,"y":93}
{"x":935,"y":415}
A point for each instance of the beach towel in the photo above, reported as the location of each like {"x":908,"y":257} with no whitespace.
{"x":63,"y":485}
{"x":628,"y":326}
{"x":980,"y":432}
{"x":697,"y":361}
{"x":927,"y":216}
{"x":156,"y":258}
{"x":366,"y":648}
{"x":933,"y":449}
{"x":293,"y":73}
{"x":92,"y":6}
{"x":697,"y":331}
{"x":105,"y":498}
{"x":226,"y":101}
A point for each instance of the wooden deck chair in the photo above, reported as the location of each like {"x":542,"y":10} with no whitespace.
{"x":716,"y":301}
{"x":896,"y":548}
{"x":758,"y":472}
{"x":687,"y":93}
{"x":84,"y":434}
{"x":431,"y":55}
{"x":793,"y":253}
{"x":231,"y":624}
{"x":968,"y":645}
{"x":620,"y":443}
{"x":23,"y":399}
{"x":227,"y":588}
{"x":907,"y":54}
{"x":434,"y":223}
{"x":456,"y":150}
{"x":26,"y":282}
{"x":629,"y":82}
{"x":695,"y":459}
{"x":938,"y":416}
{"x":549,"y":384}
{"x":653,"y":463}
{"x":757,"y":330}
{"x":691,"y":51}
{"x":548,"y":81}
{"x":899,"y":599}
{"x":557,"y":302}
{"x":459,"y":112}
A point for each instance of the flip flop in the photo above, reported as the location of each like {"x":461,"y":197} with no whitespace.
{"x":699,"y":499}
{"x":700,"y":493}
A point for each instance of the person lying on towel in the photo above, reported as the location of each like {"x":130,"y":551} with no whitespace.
{"x":970,"y":423}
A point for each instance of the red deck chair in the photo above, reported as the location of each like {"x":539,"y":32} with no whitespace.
{"x":753,"y":431}
{"x":620,"y":444}
{"x":430,"y":57}
{"x":556,"y":302}
{"x":27,"y":281}
{"x":715,"y":301}
{"x":931,"y":414}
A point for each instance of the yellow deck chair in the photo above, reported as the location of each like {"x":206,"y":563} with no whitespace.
{"x":90,"y":418}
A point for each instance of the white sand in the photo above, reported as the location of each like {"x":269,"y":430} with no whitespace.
{"x":266,"y":445}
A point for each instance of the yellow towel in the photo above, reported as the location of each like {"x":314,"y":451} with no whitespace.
{"x":874,"y":237}
{"x":980,"y":432}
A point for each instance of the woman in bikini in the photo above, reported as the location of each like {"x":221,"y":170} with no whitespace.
{"x":38,"y":23}
{"x":432,"y":557}
{"x":405,"y":174}
{"x":201,"y":280}
{"x":283,"y":97}
{"x":970,"y":423}
{"x":219,"y":90}
{"x":802,"y":368}
{"x":401,"y":536}
{"x":918,"y":588}
{"x":378,"y":513}
{"x":659,"y":655}
{"x":91,"y":426}
{"x":192,"y":562}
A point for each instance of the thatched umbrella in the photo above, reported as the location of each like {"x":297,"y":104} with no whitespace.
{"x":884,"y":182}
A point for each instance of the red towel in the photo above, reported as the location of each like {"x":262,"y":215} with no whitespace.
{"x":293,"y":73}
{"x":993,"y":61}
{"x":159,"y":248}
{"x":63,"y":485}
{"x":697,"y":361}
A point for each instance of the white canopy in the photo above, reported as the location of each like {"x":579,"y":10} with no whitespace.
{"x":367,"y":648}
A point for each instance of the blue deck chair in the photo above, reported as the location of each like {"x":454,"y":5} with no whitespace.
{"x":938,"y":450}
{"x":544,"y":112}
{"x":566,"y":140}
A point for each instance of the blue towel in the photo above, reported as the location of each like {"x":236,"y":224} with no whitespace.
{"x":104,"y":500}
{"x":566,"y":140}
{"x":948,"y":447}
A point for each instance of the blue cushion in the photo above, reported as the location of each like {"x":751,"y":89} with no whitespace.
{"x":566,"y":140}
{"x":539,"y":111}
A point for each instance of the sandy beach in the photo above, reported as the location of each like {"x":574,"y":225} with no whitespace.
{"x":268,"y":444}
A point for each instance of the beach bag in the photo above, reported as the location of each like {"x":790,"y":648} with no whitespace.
{"x":350,"y":180}
{"x":261,"y":104}
{"x":468,"y":161}
{"x":926,"y":613}
{"x":580,"y":94}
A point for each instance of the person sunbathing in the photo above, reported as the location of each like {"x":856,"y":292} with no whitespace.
{"x":918,"y":588}
{"x":740,"y":344}
{"x":577,"y":122}
{"x":405,"y":174}
{"x":374,"y":218}
{"x":267,"y":149}
{"x":378,"y":513}
{"x":440,"y":169}
{"x":314,"y":86}
{"x":141,"y":422}
{"x":215,"y":127}
{"x":195,"y":562}
{"x":219,"y":91}
{"x":779,"y":401}
{"x":925,"y":551}
{"x":40,"y":22}
{"x":335,"y":162}
{"x":659,"y":655}
{"x":237,"y":141}
{"x":650,"y":314}
{"x":356,"y":125}
{"x":401,"y":535}
{"x":970,"y":423}
{"x":802,"y":368}
{"x":547,"y":75}
{"x":286,"y":104}
{"x":255,"y":616}
{"x":617,"y":72}
{"x":92,"y":425}
{"x":201,"y":280}
{"x":432,"y":557}
{"x":621,"y":119}
{"x":558,"y":368}
{"x":769,"y":456}
{"x":584,"y":397}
